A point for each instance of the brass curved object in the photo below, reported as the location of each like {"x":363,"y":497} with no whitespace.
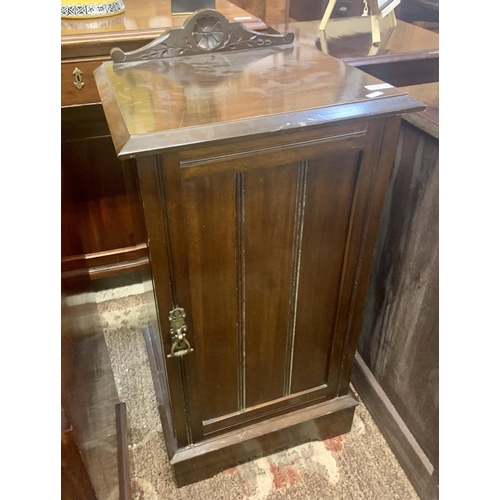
{"x":178,"y":329}
{"x":180,"y":348}
{"x":78,"y":79}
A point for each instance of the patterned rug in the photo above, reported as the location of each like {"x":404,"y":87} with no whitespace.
{"x":358,"y":465}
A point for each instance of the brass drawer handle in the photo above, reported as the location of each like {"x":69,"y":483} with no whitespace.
{"x":178,"y":329}
{"x":78,"y":79}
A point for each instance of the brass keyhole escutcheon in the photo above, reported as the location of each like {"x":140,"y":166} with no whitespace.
{"x":78,"y":79}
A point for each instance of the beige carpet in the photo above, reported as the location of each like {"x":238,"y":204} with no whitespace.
{"x":358,"y":465}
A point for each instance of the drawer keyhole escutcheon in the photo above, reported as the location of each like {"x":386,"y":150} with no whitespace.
{"x":78,"y":79}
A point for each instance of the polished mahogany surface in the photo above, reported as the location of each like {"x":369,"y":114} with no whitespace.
{"x":352,"y":37}
{"x":142,"y":21}
{"x":407,"y":54}
{"x":181,"y":100}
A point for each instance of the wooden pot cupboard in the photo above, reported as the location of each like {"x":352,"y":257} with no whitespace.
{"x":262,"y":166}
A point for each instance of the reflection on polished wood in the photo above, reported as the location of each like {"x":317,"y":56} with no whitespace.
{"x":142,"y":21}
{"x":407,"y":54}
{"x":233,"y":94}
{"x":352,"y":37}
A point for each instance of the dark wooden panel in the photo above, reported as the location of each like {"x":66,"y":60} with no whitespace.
{"x":70,"y":93}
{"x":161,"y":268}
{"x":321,"y":421}
{"x":245,"y":147}
{"x":101,"y":208}
{"x":83,"y":122}
{"x":384,"y":137}
{"x":176,"y":240}
{"x":209,"y":208}
{"x":156,"y":357}
{"x":95,"y":199}
{"x":279,"y":154}
{"x":399,"y":338}
{"x":264,"y":411}
{"x":360,"y":242}
{"x":330,"y":189}
{"x":270,"y":199}
{"x":409,"y":69}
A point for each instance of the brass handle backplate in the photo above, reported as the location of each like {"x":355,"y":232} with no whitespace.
{"x":78,"y":79}
{"x":178,"y":329}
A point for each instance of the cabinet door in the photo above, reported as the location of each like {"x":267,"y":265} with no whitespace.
{"x":263,"y":248}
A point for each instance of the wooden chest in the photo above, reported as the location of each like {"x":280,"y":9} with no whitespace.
{"x":262,"y":176}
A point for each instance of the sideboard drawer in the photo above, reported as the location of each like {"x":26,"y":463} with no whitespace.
{"x":77,"y":82}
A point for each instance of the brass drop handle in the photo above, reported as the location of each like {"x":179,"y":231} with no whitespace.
{"x":178,"y":330}
{"x":365,"y":8}
{"x":78,"y":79}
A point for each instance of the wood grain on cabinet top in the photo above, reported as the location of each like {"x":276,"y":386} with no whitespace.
{"x":163,"y":104}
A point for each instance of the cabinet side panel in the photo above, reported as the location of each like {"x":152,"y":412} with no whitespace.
{"x":209,"y":207}
{"x":270,"y":207}
{"x":329,"y":195}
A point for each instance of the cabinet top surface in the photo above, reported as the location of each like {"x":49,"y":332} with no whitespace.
{"x":155,"y":105}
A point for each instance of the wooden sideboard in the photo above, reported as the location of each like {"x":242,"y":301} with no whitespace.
{"x":262,"y":175}
{"x":102,"y":226}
